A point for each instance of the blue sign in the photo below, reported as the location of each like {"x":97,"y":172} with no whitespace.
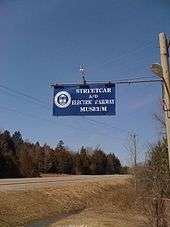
{"x":86,"y":99}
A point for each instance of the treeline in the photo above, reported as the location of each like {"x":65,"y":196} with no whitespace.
{"x":19,"y":158}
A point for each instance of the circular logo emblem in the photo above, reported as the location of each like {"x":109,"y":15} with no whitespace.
{"x":62,"y":99}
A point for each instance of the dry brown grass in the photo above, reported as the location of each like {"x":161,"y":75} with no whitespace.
{"x":114,"y":207}
{"x":107,"y":200}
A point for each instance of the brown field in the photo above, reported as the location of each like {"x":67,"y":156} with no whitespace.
{"x":92,"y":204}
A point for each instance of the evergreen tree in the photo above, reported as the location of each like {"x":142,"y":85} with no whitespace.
{"x":8,"y":159}
{"x":61,"y":160}
{"x":17,"y":138}
{"x":113,"y":164}
{"x":110,"y":164}
{"x":26,"y":164}
{"x":117,"y":166}
{"x":19,"y":158}
{"x":60,"y":145}
{"x":98,"y":163}
{"x":83,"y":162}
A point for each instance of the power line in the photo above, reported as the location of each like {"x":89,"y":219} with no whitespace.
{"x":39,"y":102}
{"x":103,"y":131}
{"x":34,"y":99}
{"x":28,"y":100}
{"x":138,"y":81}
{"x":9,"y":90}
{"x":110,"y":126}
{"x":124,"y":79}
{"x":31,"y":99}
{"x":40,"y":118}
{"x":113,"y":59}
{"x":24,"y":114}
{"x":128,"y":69}
{"x":30,"y":115}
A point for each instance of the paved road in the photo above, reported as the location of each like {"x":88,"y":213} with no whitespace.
{"x":37,"y":183}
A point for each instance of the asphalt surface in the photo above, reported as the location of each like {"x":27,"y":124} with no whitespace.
{"x":23,"y":184}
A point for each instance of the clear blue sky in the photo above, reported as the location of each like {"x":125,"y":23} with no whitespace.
{"x":43,"y":42}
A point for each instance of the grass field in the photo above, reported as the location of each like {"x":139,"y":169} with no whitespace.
{"x":102,"y":203}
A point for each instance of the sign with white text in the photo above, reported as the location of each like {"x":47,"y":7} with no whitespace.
{"x":87,"y":99}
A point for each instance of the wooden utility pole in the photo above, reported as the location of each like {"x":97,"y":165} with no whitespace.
{"x":164,"y":55}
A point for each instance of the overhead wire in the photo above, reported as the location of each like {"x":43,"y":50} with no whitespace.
{"x":128,"y":69}
{"x":24,"y":114}
{"x":30,"y":115}
{"x":124,"y":131}
{"x":114,"y":59}
{"x":34,"y":99}
{"x":123,"y":79}
{"x":12,"y":94}
{"x":43,"y":104}
{"x":35,"y":117}
{"x":31,"y":99}
{"x":101,"y":132}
